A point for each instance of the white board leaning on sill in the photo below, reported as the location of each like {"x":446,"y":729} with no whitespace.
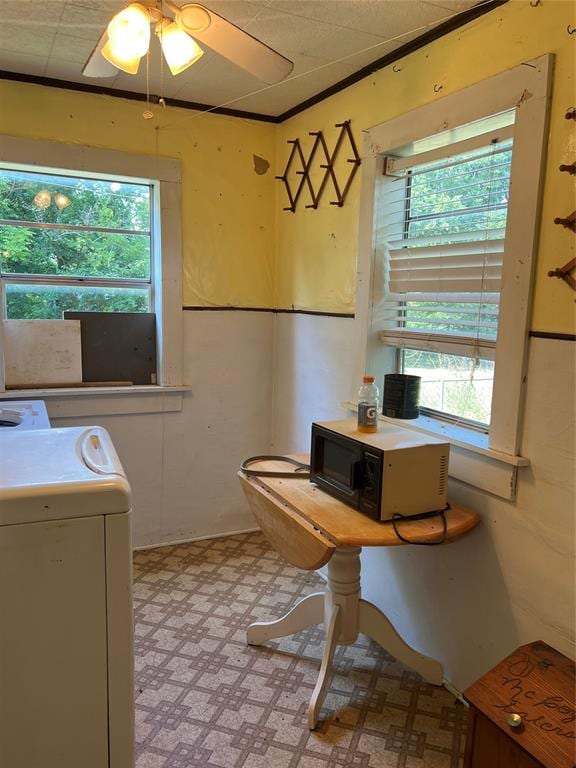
{"x":42,"y":352}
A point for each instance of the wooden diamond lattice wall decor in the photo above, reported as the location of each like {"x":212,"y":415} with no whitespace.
{"x":565,"y":273}
{"x":340,"y":188}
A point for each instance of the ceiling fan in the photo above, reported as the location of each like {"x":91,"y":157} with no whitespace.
{"x":127,"y":39}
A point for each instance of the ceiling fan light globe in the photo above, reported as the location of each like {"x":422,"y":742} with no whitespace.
{"x":129,"y":32}
{"x":125,"y":64}
{"x":179,"y":49}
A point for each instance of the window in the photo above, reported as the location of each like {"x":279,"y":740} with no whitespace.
{"x":104,"y":234}
{"x":448,"y":237}
{"x":74,"y":243}
{"x":441,"y":225}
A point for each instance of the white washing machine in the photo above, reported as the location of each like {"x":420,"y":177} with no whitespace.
{"x":20,"y":415}
{"x":66,"y":627}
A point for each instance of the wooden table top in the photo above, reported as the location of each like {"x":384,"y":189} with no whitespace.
{"x":348,"y":527}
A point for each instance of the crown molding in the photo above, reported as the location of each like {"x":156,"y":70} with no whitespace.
{"x":441,"y":30}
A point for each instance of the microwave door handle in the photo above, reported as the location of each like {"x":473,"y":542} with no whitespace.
{"x":357,"y":474}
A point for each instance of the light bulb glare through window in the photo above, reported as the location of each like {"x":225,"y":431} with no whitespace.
{"x":179,"y":49}
{"x":61,"y":201}
{"x":42,"y":199}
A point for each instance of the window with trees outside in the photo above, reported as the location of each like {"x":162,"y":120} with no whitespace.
{"x":449,"y":217}
{"x":70,"y":243}
{"x":441,"y":225}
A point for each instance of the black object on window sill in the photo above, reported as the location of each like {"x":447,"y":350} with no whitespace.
{"x":401,"y":396}
{"x":117,"y":346}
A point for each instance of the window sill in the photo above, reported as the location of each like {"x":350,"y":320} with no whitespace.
{"x":135,"y":389}
{"x":472,"y":461}
{"x":82,"y":402}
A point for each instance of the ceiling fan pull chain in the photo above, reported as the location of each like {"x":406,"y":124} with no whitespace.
{"x":161,"y":101}
{"x":147,"y":114}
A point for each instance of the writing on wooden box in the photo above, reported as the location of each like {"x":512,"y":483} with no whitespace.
{"x":536,"y":685}
{"x":544,"y":710}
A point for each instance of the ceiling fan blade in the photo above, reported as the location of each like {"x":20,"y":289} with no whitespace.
{"x":232,"y":42}
{"x":96,"y":65}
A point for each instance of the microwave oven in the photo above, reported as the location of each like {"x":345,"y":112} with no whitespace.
{"x":392,"y":471}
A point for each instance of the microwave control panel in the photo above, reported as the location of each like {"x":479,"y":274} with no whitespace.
{"x":370,"y":486}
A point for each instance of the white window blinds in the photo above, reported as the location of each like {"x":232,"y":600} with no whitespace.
{"x":441,"y":227}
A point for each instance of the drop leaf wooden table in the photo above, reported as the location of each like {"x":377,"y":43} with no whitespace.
{"x":310,"y":528}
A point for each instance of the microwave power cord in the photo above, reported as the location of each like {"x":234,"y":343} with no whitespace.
{"x":396,"y":517}
{"x":302,"y":469}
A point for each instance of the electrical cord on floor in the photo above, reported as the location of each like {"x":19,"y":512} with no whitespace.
{"x":423,"y":516}
{"x":302,"y":470}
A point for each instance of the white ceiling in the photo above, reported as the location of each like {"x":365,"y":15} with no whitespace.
{"x":326,"y":39}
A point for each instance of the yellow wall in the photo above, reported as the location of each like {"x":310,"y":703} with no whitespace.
{"x":228,"y":209}
{"x":316,"y":249}
{"x":239,"y":247}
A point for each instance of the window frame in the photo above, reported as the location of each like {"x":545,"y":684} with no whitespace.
{"x":527,"y":89}
{"x":163,"y":175}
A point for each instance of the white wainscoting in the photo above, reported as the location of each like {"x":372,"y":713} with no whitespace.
{"x":182,"y":464}
{"x":313,"y":369}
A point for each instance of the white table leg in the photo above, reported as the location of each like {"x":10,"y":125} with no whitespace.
{"x":377,"y":626}
{"x":343,"y":590}
{"x":306,"y":613}
{"x":344,"y":614}
{"x":331,"y":641}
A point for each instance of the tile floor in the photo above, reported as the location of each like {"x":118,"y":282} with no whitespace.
{"x":206,"y":700}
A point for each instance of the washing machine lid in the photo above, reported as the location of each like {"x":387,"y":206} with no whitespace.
{"x":54,"y":474}
{"x":21,"y":415}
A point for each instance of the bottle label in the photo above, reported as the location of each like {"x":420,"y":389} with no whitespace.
{"x":367,"y":414}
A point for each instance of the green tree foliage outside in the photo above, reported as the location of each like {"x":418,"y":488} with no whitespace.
{"x":24,"y":302}
{"x":72,"y":252}
{"x":452,"y":384}
{"x":471,"y":196}
{"x":479,"y":188}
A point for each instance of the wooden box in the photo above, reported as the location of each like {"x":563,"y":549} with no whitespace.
{"x":522,"y":712}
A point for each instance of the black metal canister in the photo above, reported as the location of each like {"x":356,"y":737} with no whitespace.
{"x":401,"y":395}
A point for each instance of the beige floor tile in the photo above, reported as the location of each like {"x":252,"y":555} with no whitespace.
{"x":204,"y":699}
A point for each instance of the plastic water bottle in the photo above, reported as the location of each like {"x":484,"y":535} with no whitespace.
{"x":368,"y":405}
